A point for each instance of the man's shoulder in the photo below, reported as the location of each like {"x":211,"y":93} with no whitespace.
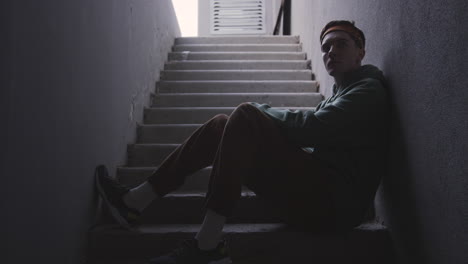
{"x":372,"y":76}
{"x":368,"y":84}
{"x":364,"y":91}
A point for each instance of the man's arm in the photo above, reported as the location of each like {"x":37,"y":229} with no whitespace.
{"x":336,"y":124}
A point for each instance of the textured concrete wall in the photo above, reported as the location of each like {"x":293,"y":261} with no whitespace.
{"x":79,"y":75}
{"x":422,"y":48}
{"x":271,"y":12}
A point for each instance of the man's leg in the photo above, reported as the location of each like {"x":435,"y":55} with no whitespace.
{"x":247,"y":149}
{"x":235,"y":158}
{"x":195,"y":153}
{"x":254,"y":152}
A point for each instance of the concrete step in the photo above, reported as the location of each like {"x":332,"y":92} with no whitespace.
{"x":139,"y":260}
{"x":180,"y":75}
{"x":235,"y":99}
{"x":133,"y":176}
{"x":188,"y":55}
{"x":190,"y":115}
{"x":165,"y":133}
{"x":238,"y":86}
{"x":195,"y":183}
{"x":148,"y":155}
{"x":238,"y":40}
{"x":237,"y":47}
{"x":187,"y":208}
{"x":239,"y":65}
{"x":249,"y":243}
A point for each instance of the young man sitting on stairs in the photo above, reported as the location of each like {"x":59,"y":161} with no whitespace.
{"x":320,"y":167}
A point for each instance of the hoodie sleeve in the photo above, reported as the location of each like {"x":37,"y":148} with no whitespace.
{"x":338,"y":122}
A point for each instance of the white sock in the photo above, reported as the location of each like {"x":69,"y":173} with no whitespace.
{"x":210,"y":231}
{"x":140,"y":197}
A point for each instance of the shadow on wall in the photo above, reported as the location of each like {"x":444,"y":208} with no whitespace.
{"x":396,"y":191}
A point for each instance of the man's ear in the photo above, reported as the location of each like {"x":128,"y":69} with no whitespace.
{"x":362,"y":53}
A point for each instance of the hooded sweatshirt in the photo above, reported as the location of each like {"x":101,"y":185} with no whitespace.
{"x":348,"y":132}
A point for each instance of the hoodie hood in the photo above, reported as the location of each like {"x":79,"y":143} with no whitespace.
{"x":364,"y":72}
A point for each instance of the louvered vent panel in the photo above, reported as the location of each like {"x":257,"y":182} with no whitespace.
{"x":238,"y":17}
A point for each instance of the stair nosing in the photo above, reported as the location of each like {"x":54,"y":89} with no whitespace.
{"x":191,"y":228}
{"x":236,"y":45}
{"x":171,"y":125}
{"x":228,"y":228}
{"x":247,"y":94}
{"x":241,"y":52}
{"x":237,"y":81}
{"x":192,"y":194}
{"x":156,"y":144}
{"x":238,"y":61}
{"x":217,"y":107}
{"x":150,"y":168}
{"x":243,"y":36}
{"x":239,"y":70}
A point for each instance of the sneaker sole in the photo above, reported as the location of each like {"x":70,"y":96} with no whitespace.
{"x":114,"y":211}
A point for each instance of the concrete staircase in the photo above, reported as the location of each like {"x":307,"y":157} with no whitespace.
{"x":204,"y":77}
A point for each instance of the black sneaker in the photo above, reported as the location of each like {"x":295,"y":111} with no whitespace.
{"x":189,"y":253}
{"x":112,"y":193}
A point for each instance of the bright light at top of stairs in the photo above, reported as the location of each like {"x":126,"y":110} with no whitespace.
{"x":187,"y":15}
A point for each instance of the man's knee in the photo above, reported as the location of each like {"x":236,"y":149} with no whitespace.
{"x":221,"y":118}
{"x":219,"y":121}
{"x":246,"y":107}
{"x":246,"y":110}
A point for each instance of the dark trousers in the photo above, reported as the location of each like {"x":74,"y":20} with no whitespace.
{"x":247,"y":148}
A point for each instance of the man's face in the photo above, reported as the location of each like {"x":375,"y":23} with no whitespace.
{"x":340,"y":53}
